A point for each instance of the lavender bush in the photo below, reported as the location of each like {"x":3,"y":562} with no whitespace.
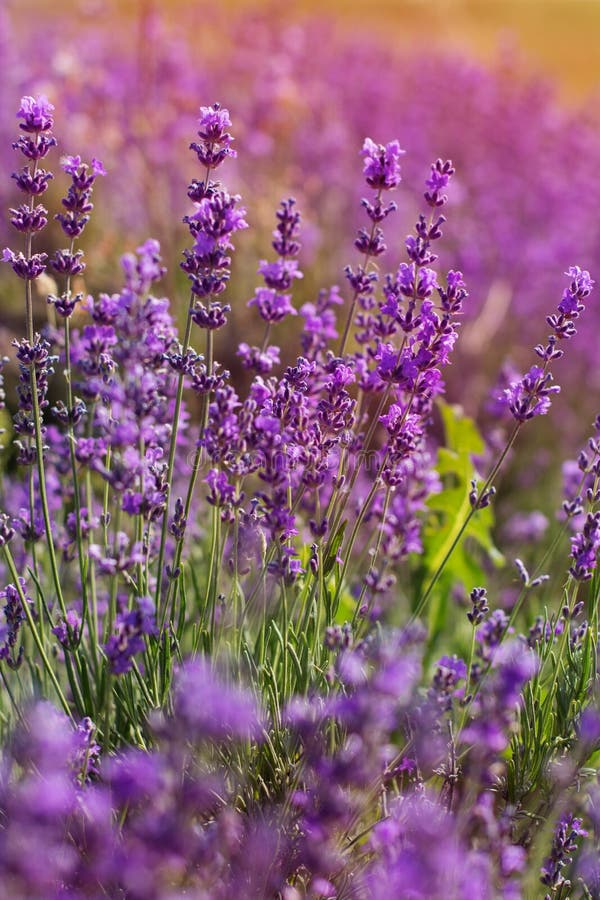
{"x":522,"y":211}
{"x":249,"y":641}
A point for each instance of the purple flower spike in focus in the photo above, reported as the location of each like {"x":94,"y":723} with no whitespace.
{"x":272,"y":303}
{"x":441,"y":173}
{"x":214,"y":122}
{"x":78,"y":203}
{"x":382,"y":164}
{"x":530,"y":396}
{"x":27,"y":268}
{"x":581,"y":287}
{"x":273,"y":307}
{"x":36,"y":141}
{"x":36,"y":113}
{"x":286,"y":233}
{"x":216,"y":218}
{"x":216,"y":140}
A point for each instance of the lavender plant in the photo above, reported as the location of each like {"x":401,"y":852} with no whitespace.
{"x":216,"y":680}
{"x":512,"y":140}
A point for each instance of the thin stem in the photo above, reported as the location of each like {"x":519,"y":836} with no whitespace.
{"x":354,"y":301}
{"x":171,"y":461}
{"x":386,"y":505}
{"x":488,"y":482}
{"x":196,"y":466}
{"x":76,"y":490}
{"x":43,"y":493}
{"x":36,"y":637}
{"x":37,"y":417}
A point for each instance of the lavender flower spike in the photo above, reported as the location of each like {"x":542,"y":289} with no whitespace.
{"x":36,"y":113}
{"x":530,"y":395}
{"x":382,"y":164}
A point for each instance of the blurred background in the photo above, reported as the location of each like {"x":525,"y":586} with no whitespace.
{"x":508,"y":89}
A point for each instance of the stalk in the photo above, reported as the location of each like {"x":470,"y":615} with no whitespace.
{"x":171,"y":461}
{"x":488,"y":482}
{"x":36,"y":637}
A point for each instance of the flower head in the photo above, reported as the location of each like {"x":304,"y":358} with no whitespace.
{"x":382,"y":164}
{"x":36,"y":113}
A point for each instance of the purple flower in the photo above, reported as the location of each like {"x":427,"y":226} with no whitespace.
{"x":491,"y":634}
{"x":320,"y":321}
{"x":36,"y":113}
{"x":441,"y":173}
{"x":66,"y":263}
{"x":68,"y":630}
{"x":581,"y":287}
{"x":98,"y":167}
{"x":564,"y":844}
{"x":9,"y":629}
{"x":260,"y":361}
{"x":449,"y":671}
{"x":382,"y":164}
{"x":273,"y":307}
{"x":85,"y":759}
{"x":215,"y":219}
{"x":215,"y":143}
{"x":129,"y":638}
{"x":206,"y":707}
{"x":25,"y":219}
{"x":285,"y":237}
{"x":7,"y":532}
{"x":563,"y":328}
{"x":589,"y":729}
{"x":214,"y":122}
{"x":211,"y":317}
{"x":221,"y":492}
{"x":78,"y":203}
{"x":495,"y":706}
{"x":585,"y":547}
{"x":70,"y":164}
{"x":279,"y":274}
{"x":530,"y":396}
{"x":26,"y":268}
{"x":480,"y":609}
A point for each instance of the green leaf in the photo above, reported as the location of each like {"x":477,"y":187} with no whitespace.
{"x":334,"y":545}
{"x":448,"y":511}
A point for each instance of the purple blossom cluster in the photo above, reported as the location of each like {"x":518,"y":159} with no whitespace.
{"x":297,"y":137}
{"x":268,"y":531}
{"x":117,"y":821}
{"x":530,"y":395}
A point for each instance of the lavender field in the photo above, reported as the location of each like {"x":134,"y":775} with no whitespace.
{"x":300,"y":479}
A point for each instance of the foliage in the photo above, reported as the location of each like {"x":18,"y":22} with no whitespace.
{"x":203,"y":689}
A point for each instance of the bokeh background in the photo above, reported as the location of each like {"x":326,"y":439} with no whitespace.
{"x":508,"y":90}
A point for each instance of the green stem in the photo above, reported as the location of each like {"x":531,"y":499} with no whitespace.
{"x":36,"y":637}
{"x":76,"y":491}
{"x":488,"y":482}
{"x":196,"y":466}
{"x":171,"y":461}
{"x":43,"y":493}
